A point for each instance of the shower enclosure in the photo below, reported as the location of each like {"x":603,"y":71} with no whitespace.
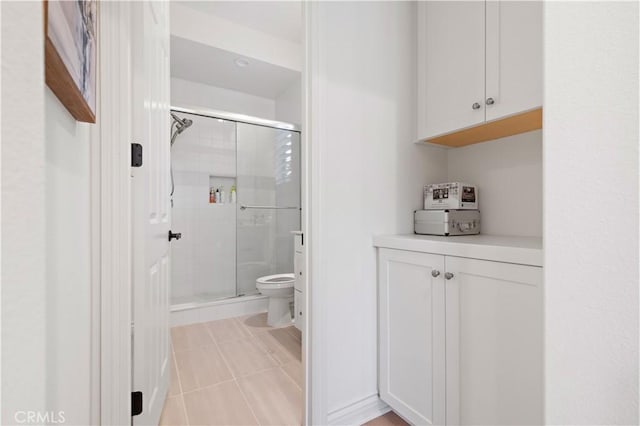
{"x":227,"y":244}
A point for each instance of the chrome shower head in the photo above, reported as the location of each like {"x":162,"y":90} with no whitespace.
{"x":181,"y":123}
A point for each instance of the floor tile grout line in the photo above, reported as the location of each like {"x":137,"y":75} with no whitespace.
{"x":181,"y":394}
{"x":254,"y":373}
{"x":284,"y":349}
{"x":234,"y":320}
{"x":250,"y":338}
{"x":175,"y":365}
{"x":263,"y":347}
{"x":224,"y":359}
{"x":246,"y":400}
{"x":197,"y":346}
{"x":269,"y":328}
{"x":184,"y":409}
{"x":259,"y":345}
{"x":209,"y":386}
{"x":254,"y":338}
{"x":290,"y":378}
{"x":292,"y":333}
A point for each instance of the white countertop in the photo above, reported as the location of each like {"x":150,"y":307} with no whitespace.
{"x":522,"y":250}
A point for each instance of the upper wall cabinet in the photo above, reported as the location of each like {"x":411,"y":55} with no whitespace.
{"x":479,"y":70}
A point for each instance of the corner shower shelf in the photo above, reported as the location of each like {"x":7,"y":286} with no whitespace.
{"x":222,"y":176}
{"x":226,"y":182}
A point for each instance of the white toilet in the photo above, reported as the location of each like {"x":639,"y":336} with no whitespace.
{"x":279,"y":289}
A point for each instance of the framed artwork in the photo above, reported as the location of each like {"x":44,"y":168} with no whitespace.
{"x":70,"y":29}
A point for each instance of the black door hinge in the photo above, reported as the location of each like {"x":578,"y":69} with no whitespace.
{"x":136,"y":403}
{"x":136,"y":155}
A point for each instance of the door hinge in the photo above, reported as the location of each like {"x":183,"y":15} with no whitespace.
{"x":136,"y":403}
{"x":136,"y":155}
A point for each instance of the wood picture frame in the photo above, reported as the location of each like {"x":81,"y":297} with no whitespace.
{"x":70,"y":30}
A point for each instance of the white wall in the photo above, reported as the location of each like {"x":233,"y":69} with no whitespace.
{"x":45,"y":236}
{"x":591,"y":212}
{"x":215,"y":31}
{"x":508,"y":173}
{"x":189,"y":93}
{"x":67,"y":205}
{"x":289,"y":104}
{"x":367,"y":179}
{"x":24,"y":351}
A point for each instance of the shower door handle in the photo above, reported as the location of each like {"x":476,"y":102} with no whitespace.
{"x":268,"y":207}
{"x":174,"y":235}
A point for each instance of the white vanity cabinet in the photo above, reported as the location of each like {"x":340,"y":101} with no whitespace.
{"x":299,"y":306}
{"x":460,"y":338}
{"x":478,"y":61}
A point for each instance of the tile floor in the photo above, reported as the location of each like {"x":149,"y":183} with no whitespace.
{"x":389,"y":419}
{"x":237,"y":371}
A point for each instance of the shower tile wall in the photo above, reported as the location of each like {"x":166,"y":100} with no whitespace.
{"x":203,"y":264}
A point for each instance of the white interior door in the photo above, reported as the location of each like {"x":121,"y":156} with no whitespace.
{"x":412,"y":339}
{"x":151,"y":208}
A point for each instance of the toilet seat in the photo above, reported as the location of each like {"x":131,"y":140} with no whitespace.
{"x":279,"y":289}
{"x":277,"y":281}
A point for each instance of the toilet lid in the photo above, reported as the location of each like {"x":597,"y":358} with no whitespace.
{"x":277,"y":281}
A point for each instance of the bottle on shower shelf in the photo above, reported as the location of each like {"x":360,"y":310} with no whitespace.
{"x":217,"y":195}
{"x":212,"y":196}
{"x":233,"y":194}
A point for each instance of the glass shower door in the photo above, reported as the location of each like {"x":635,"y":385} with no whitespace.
{"x":268,"y":202}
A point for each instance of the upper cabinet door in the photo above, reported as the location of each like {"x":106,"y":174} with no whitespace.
{"x":451,"y":69}
{"x":513,"y":58}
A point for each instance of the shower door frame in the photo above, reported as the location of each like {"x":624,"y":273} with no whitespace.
{"x":240,"y":118}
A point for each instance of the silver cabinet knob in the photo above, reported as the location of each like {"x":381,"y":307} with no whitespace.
{"x":475,"y":106}
{"x":490,"y":101}
{"x":435,"y":273}
{"x":448,"y":275}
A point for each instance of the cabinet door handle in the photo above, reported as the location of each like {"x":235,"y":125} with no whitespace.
{"x":448,"y":275}
{"x":490,"y":101}
{"x":475,"y":105}
{"x":435,"y":273}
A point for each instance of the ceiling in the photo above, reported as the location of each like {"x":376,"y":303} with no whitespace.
{"x":216,"y":67}
{"x":282,"y":19}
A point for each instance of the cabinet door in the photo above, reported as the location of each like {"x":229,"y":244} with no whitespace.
{"x":494,"y":343}
{"x":411,"y":328}
{"x":451,"y":75}
{"x":298,"y":270}
{"x":514,"y":57}
{"x":298,"y":306}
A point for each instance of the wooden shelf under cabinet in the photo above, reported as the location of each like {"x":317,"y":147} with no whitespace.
{"x":508,"y":126}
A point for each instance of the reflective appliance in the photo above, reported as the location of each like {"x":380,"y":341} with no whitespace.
{"x":447,"y":222}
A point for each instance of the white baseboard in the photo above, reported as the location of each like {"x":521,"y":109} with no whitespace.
{"x":220,"y":309}
{"x":359,"y":412}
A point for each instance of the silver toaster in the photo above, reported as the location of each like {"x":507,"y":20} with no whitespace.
{"x":446,"y":222}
